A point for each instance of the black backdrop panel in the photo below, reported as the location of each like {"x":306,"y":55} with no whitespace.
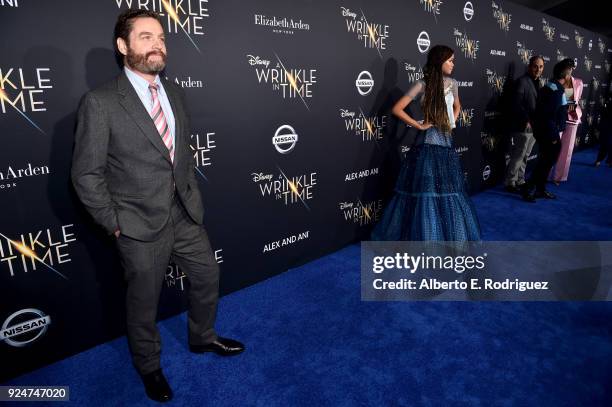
{"x":294,"y":144}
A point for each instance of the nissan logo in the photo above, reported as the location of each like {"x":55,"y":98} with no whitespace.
{"x":423,"y":42}
{"x":468,"y":11}
{"x":486,"y":172}
{"x":24,"y":327}
{"x":364,"y":83}
{"x":284,"y":139}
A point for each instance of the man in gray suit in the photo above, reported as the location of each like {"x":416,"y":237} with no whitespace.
{"x":523,"y":107}
{"x":134,"y":172}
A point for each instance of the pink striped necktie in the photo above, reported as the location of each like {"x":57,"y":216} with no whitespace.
{"x":157,"y":114}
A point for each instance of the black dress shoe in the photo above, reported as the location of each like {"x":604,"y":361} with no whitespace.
{"x":222,"y":346}
{"x":528,"y":197}
{"x":156,"y":386}
{"x":512,"y":189}
{"x":526,"y":194}
{"x":545,"y":195}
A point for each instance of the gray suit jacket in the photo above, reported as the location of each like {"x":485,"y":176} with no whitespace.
{"x":121,"y":169}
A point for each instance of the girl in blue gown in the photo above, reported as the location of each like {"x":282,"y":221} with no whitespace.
{"x":430,"y":200}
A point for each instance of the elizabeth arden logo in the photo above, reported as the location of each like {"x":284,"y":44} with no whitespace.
{"x":10,"y":176}
{"x":187,"y":82}
{"x":281,"y":25}
{"x":461,"y":150}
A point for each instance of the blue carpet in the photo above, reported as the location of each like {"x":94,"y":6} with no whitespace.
{"x":311,"y":341}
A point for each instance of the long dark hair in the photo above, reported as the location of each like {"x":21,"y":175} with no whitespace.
{"x":434,"y":106}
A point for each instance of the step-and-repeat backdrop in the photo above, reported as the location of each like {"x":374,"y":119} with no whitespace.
{"x":293,"y":141}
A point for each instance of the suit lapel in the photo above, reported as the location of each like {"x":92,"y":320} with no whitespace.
{"x":134,"y":107}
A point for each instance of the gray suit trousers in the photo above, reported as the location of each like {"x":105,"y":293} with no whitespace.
{"x":521,"y":148}
{"x":145,"y":264}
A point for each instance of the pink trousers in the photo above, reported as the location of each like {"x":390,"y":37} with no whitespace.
{"x":568,"y":140}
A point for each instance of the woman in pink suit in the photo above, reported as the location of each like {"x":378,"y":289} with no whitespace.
{"x":573,"y":93}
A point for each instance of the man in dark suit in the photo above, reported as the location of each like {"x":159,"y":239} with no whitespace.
{"x":521,"y":130}
{"x":549,"y":122}
{"x":134,"y":172}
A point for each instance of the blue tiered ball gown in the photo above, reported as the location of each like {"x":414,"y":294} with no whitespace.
{"x":430,"y":200}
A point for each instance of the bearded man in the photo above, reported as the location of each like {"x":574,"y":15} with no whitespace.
{"x":133,"y":170}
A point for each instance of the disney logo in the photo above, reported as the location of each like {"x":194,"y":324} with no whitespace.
{"x":348,"y":13}
{"x":346,"y":113}
{"x":261,"y":177}
{"x":253,"y":60}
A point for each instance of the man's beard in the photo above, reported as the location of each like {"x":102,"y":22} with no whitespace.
{"x":141,"y":63}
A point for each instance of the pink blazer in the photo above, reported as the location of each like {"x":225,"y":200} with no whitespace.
{"x":577,"y":114}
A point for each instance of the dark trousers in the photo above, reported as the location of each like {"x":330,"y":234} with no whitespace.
{"x":145,"y":264}
{"x":548,"y":153}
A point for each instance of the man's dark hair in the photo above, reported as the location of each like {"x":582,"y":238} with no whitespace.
{"x":563,"y":68}
{"x":535,"y":58}
{"x":125,"y":21}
